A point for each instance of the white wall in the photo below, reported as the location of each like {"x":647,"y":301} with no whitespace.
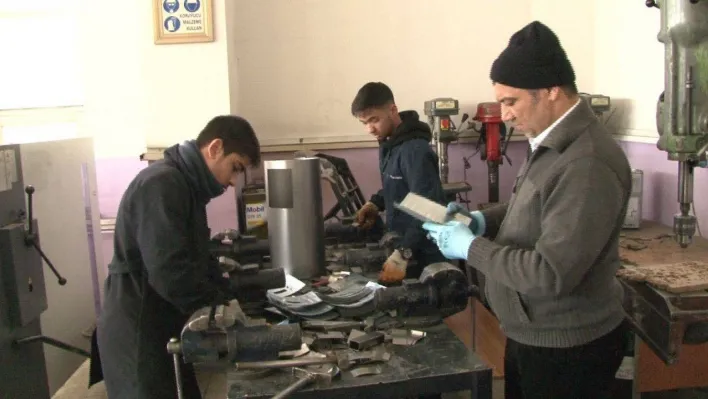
{"x":137,"y":90}
{"x":574,"y":24}
{"x":293,"y":73}
{"x":629,"y":64}
{"x":301,"y":63}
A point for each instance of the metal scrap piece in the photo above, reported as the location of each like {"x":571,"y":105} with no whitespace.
{"x":308,"y":339}
{"x":355,"y":334}
{"x":304,"y":350}
{"x":363,"y":301}
{"x":322,"y":325}
{"x":295,"y":302}
{"x":370,"y":370}
{"x":313,"y":310}
{"x":366,"y":341}
{"x":406,"y":337}
{"x":331,"y":335}
{"x":330,"y":315}
{"x":351,"y":294}
{"x":378,"y":354}
{"x":329,"y":340}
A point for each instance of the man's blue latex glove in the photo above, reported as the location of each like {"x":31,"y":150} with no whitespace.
{"x":453,"y":238}
{"x":478,"y":224}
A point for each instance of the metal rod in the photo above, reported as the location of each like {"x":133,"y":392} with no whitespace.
{"x":685,"y":192}
{"x":30,"y":211}
{"x":178,"y":372}
{"x":294,"y":387}
{"x":53,"y":342}
{"x":493,"y":181}
{"x":60,"y":279}
{"x":281,"y":364}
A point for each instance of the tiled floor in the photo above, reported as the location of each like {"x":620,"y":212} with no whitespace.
{"x":213,"y":387}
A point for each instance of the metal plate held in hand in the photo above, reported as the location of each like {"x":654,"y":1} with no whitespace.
{"x":426,"y":210}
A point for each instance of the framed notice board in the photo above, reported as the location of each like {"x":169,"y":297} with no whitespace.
{"x":182,"y":21}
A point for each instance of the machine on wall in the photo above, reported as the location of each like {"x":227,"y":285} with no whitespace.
{"x":682,"y":109}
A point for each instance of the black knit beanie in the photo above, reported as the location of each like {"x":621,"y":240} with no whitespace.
{"x":534,"y":59}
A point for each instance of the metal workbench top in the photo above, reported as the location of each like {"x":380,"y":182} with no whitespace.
{"x":436,"y":364}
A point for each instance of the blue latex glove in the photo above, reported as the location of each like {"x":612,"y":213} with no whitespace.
{"x":478,"y":224}
{"x":453,"y":238}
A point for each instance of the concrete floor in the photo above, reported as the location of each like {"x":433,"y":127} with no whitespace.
{"x":213,"y":387}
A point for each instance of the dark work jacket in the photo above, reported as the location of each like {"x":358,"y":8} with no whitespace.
{"x":161,"y":272}
{"x":408,"y":164}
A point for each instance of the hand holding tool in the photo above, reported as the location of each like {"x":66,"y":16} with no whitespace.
{"x":366,"y":216}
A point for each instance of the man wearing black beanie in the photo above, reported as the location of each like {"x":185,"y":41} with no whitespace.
{"x":550,"y":254}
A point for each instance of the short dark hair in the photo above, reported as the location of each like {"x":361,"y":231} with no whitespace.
{"x":371,"y":95}
{"x":236,"y":134}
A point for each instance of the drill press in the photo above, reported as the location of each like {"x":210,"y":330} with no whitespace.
{"x":439,"y":111}
{"x":682,"y":109}
{"x":494,"y":139}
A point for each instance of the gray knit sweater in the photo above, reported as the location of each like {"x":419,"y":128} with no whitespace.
{"x":550,"y":254}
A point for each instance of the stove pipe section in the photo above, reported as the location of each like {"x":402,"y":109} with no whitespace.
{"x":295,"y":219}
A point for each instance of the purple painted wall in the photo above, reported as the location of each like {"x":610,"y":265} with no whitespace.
{"x":660,"y":181}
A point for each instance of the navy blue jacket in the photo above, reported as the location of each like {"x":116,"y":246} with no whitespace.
{"x":408,"y":164}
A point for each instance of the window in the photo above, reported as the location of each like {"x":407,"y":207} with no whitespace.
{"x":41,"y":91}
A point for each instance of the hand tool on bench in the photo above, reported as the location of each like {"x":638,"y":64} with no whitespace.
{"x":322,"y":375}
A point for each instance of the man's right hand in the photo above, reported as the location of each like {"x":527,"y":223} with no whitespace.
{"x":477,"y":225}
{"x":366,"y":216}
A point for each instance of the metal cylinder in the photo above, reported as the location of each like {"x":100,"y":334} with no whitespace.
{"x":295,"y":219}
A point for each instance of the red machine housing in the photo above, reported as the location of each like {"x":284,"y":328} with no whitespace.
{"x":489,"y":114}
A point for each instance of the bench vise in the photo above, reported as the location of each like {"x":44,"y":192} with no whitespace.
{"x":224,"y":332}
{"x":441,"y":286}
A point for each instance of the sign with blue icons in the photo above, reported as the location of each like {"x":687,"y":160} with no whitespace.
{"x":192,"y":5}
{"x":183,"y":21}
{"x":170,"y":6}
{"x":172,"y":24}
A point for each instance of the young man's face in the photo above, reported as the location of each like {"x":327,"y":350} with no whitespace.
{"x":226,"y":169}
{"x":379,"y":122}
{"x":528,"y":110}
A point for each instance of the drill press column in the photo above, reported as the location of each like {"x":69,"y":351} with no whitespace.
{"x":439,"y":111}
{"x":682,"y":111}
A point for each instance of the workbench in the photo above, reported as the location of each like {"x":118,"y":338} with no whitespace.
{"x":438,"y":363}
{"x":651,"y":244}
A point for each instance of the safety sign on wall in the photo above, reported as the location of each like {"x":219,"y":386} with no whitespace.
{"x":183,"y":21}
